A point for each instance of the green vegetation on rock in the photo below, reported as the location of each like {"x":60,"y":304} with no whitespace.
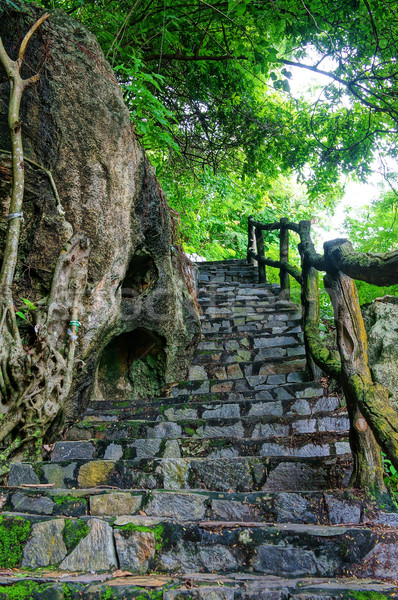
{"x":74,"y":531}
{"x":13,"y":535}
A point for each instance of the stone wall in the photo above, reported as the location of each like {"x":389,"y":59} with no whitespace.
{"x":137,"y":308}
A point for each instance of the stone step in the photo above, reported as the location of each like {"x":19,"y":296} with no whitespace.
{"x":251,"y":383}
{"x":249,"y":320}
{"x":292,"y":367}
{"x":241,"y":326}
{"x":193,"y":586}
{"x":319,"y":508}
{"x":267,"y":440}
{"x":183,"y":425}
{"x":228,"y":309}
{"x":236,"y":474}
{"x":149,"y":544}
{"x":276,"y":402}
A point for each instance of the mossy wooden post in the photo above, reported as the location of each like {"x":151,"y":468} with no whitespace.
{"x":251,"y":243}
{"x":262,"y":276}
{"x":284,"y":258}
{"x":352,"y":344}
{"x":310,"y":307}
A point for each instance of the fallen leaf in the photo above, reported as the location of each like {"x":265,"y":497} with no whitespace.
{"x":120,"y":573}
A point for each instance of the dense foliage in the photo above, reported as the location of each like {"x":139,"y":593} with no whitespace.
{"x":208,"y":87}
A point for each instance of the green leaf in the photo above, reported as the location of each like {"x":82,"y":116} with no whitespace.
{"x":21,"y":315}
{"x":29,"y":304}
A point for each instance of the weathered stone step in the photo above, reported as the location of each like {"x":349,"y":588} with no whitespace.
{"x":232,"y":324}
{"x":293,"y":368}
{"x":146,"y":544}
{"x":251,"y":325}
{"x":321,"y":508}
{"x":241,"y":350}
{"x":184,"y":425}
{"x":236,"y":474}
{"x":267,"y":440}
{"x":267,"y":310}
{"x":251,"y":383}
{"x":219,"y":405}
{"x":193,"y":586}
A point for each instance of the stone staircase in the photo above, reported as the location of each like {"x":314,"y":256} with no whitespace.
{"x":231,"y":487}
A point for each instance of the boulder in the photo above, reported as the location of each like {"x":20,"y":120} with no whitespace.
{"x":139,"y":322}
{"x":381,"y":323}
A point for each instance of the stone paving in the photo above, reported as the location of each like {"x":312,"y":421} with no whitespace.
{"x":232,"y":486}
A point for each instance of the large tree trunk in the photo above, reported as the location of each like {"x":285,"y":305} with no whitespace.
{"x":103,"y":270}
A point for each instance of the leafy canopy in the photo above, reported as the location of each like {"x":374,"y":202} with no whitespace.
{"x":207,"y":83}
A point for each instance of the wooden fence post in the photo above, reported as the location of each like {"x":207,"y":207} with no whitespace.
{"x":284,"y":257}
{"x":310,"y":307}
{"x":262,"y":276}
{"x":251,"y":242}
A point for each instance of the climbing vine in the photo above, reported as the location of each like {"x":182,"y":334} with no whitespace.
{"x":35,"y":376}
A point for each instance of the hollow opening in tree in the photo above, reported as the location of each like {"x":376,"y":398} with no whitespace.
{"x":132,"y":366}
{"x":141,"y":275}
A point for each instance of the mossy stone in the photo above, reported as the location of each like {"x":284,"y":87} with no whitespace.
{"x":95,"y":472}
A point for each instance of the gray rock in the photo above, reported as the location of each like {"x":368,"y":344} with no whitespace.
{"x":95,"y":552}
{"x":282,"y":394}
{"x":197,"y":373}
{"x":217,"y":558}
{"x":342,"y":447}
{"x":276,"y":379}
{"x":310,"y":392}
{"x":22,"y":473}
{"x":222,"y":412}
{"x":223,"y":474}
{"x":265,"y":430}
{"x":73,"y":451}
{"x":326,"y":404}
{"x":293,"y":476}
{"x":135,"y":549}
{"x":260,"y":409}
{"x":182,"y":558}
{"x":341,"y":512}
{"x":182,"y":507}
{"x":292,"y":562}
{"x":300,"y":407}
{"x":211,"y":431}
{"x":256,"y":380}
{"x":381,"y":318}
{"x":172,"y":449}
{"x":114,"y":503}
{"x":294,"y":508}
{"x":175,"y":473}
{"x":39,"y":505}
{"x":166,"y":430}
{"x":46,"y":545}
{"x":382,"y":561}
{"x":304,"y":426}
{"x":58,"y":474}
{"x":146,"y":448}
{"x":231,"y":510}
{"x":267,"y":342}
{"x":180,"y":414}
{"x":224,"y":453}
{"x":390,"y":519}
{"x":113,"y":452}
{"x":339,"y":424}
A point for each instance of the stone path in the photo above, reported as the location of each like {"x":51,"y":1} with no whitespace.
{"x":233,"y":487}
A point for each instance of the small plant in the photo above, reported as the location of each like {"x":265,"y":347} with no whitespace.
{"x":25,"y":312}
{"x":390,"y":478}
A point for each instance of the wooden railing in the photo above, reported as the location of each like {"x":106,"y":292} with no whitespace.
{"x":373,"y":421}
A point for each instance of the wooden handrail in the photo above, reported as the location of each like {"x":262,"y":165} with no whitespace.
{"x":373,"y":421}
